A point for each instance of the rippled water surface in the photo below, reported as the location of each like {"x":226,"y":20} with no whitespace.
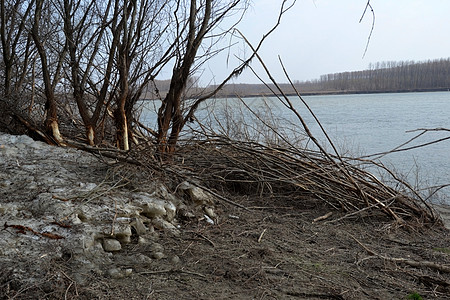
{"x":373,"y":123}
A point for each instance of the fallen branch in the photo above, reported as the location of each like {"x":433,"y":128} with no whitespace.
{"x":261,"y":235}
{"x":203,"y":237}
{"x":23,"y":229}
{"x":324,"y":217}
{"x":171,"y":272}
{"x":410,"y":262}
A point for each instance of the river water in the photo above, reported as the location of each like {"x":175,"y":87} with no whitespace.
{"x":367,"y":124}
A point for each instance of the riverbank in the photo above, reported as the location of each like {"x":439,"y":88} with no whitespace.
{"x":259,"y":90}
{"x":79,"y":227}
{"x":290,"y":93}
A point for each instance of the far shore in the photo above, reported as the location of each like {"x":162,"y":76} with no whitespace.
{"x":320,"y":93}
{"x":342,"y":92}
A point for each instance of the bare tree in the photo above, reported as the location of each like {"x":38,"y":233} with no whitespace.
{"x":142,"y":29}
{"x":85,"y":28}
{"x":44,"y":32}
{"x":115,"y":50}
{"x":202,"y":17}
{"x":15,"y":42}
{"x":199,"y":23}
{"x":105,"y":54}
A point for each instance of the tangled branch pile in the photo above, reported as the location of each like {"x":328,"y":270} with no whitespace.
{"x":305,"y":178}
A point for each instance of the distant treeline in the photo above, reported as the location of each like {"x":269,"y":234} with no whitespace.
{"x":402,"y":76}
{"x":392,"y":76}
{"x":389,"y":76}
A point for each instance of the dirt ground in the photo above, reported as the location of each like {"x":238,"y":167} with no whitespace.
{"x":274,"y":250}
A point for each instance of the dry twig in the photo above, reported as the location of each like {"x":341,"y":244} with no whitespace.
{"x":410,"y":262}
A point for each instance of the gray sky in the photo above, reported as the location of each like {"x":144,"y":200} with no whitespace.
{"x":324,"y":36}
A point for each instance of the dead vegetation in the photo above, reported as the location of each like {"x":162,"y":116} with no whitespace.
{"x":304,"y":177}
{"x":292,"y":224}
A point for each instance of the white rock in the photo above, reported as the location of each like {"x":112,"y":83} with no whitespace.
{"x":139,"y":226}
{"x":86,"y":187}
{"x":175,"y":259}
{"x":24,"y":139}
{"x":5,"y":183}
{"x":142,"y":259}
{"x":143,"y":241}
{"x":98,"y":247}
{"x":124,"y":219}
{"x":20,"y":146}
{"x":163,"y":224}
{"x":88,"y":241}
{"x":36,"y":145}
{"x":128,"y":272}
{"x":115,"y":273}
{"x":55,"y":189}
{"x":162,"y":191}
{"x":122,"y":232}
{"x":9,"y":151}
{"x":75,"y":219}
{"x":210,"y":212}
{"x":156,"y":247}
{"x":158,"y":255}
{"x":208,"y":219}
{"x":45,"y":204}
{"x":171,"y":210}
{"x":184,"y":212}
{"x":196,"y":194}
{"x":155,"y":208}
{"x":131,"y":210}
{"x":10,"y":209}
{"x":111,"y":245}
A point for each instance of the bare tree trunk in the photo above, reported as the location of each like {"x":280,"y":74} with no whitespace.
{"x":170,"y":110}
{"x":76,"y":27}
{"x":78,"y":90}
{"x":51,"y":119}
{"x":33,"y":86}
{"x":176,"y":115}
{"x":123,"y":62}
{"x":120,"y":114}
{"x":122,"y":124}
